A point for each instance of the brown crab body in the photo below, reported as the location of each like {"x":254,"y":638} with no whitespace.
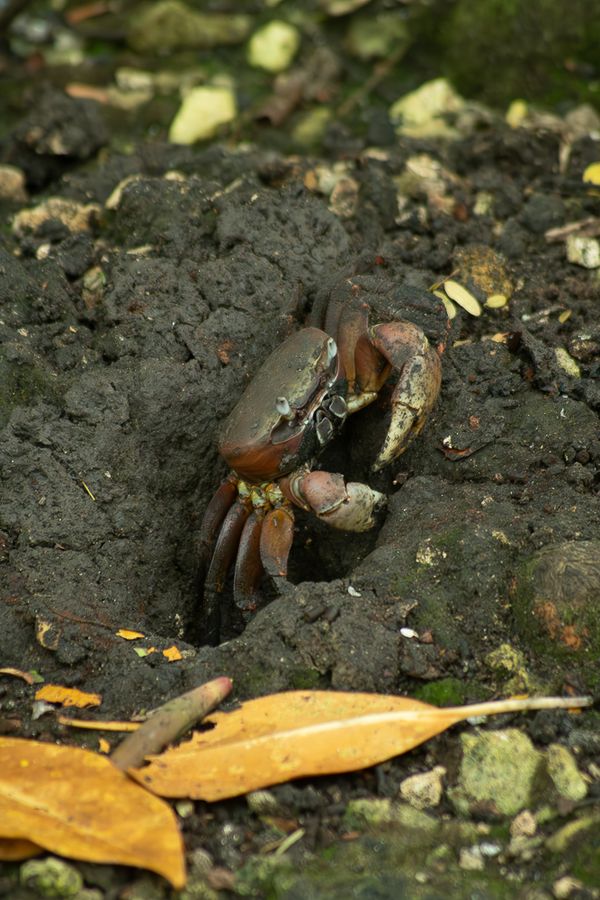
{"x":293,"y":407}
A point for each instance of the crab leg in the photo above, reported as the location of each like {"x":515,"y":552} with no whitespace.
{"x":215,"y":513}
{"x":276,"y":540}
{"x":248,"y":565}
{"x":347,"y":506}
{"x":225,"y":551}
{"x":407,"y":350}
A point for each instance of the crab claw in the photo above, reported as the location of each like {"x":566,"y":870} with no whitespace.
{"x":347,"y":506}
{"x":407,"y":350}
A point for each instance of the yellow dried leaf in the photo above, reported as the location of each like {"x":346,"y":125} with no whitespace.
{"x":57,"y":693}
{"x":15,"y":849}
{"x":463,"y":297}
{"x":103,"y":745}
{"x":144,"y":651}
{"x":172,"y":653}
{"x":565,"y":314}
{"x":78,"y":804}
{"x":299,"y":733}
{"x":129,"y":635}
{"x":591,"y":174}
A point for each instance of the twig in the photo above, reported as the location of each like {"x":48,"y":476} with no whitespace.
{"x":170,"y":721}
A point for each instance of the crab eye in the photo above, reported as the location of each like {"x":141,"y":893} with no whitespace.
{"x":331,"y":350}
{"x":283,"y":408}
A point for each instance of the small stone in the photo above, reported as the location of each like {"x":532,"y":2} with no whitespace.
{"x":273,"y":46}
{"x":516,"y":113}
{"x":555,"y":597}
{"x":202,"y":112}
{"x":484,"y":271}
{"x":565,"y":886}
{"x":425,"y":789}
{"x":562,"y":769}
{"x":344,"y":198}
{"x":567,"y":363}
{"x":184,"y":808}
{"x":583,"y":251}
{"x":523,"y":825}
{"x":74,"y":216}
{"x":471,"y":860}
{"x":12,"y":184}
{"x":262,"y":803}
{"x":51,"y":877}
{"x":422,"y":112}
{"x":497,"y":773}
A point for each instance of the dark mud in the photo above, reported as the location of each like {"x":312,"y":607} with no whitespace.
{"x":125,"y":344}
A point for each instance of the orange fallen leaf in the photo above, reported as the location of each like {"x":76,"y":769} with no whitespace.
{"x":299,"y":733}
{"x":15,"y":849}
{"x":78,"y":804}
{"x":129,"y":635}
{"x":172,"y":653}
{"x":57,"y":693}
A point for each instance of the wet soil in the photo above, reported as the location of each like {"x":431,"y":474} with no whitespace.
{"x":126,"y":343}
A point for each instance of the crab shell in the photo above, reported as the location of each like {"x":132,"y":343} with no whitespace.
{"x":304,"y":378}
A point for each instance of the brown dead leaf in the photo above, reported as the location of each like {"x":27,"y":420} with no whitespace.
{"x":299,"y":733}
{"x":78,"y":804}
{"x":57,"y":693}
{"x":15,"y":849}
{"x":18,"y":673}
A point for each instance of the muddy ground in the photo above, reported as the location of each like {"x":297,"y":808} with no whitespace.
{"x":129,"y":335}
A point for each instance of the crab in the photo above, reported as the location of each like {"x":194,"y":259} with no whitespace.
{"x":295,"y":405}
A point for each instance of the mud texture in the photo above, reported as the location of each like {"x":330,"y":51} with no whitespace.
{"x":126,"y":343}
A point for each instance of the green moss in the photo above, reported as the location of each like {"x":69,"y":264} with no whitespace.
{"x":304,"y":678}
{"x":502,"y":49}
{"x":267,"y":877}
{"x":586,"y":858}
{"x":445,"y":692}
{"x":23,"y":383}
